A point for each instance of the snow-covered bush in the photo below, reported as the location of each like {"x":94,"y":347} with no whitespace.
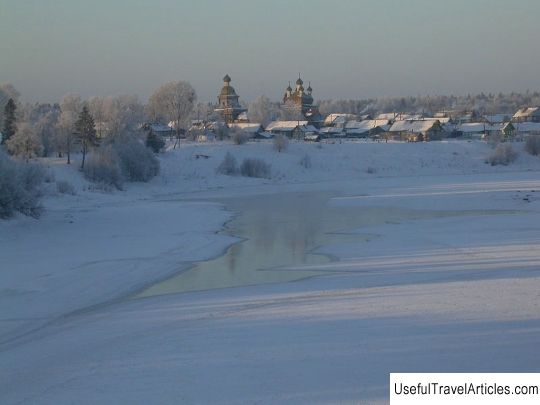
{"x":228,"y":166}
{"x":103,"y":166}
{"x":65,"y":187}
{"x":532,"y":145}
{"x":255,"y":168}
{"x":123,"y":159}
{"x":137,"y":162}
{"x":240,"y":137}
{"x":281,"y":142}
{"x":305,"y":162}
{"x":504,"y":154}
{"x":20,"y":187}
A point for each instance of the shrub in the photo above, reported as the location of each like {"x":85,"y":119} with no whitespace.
{"x":20,"y":187}
{"x":240,"y":137}
{"x":281,"y":143}
{"x":65,"y":187}
{"x":255,"y":168}
{"x":305,"y":162}
{"x":137,"y":162}
{"x":532,"y":145}
{"x":102,"y":166}
{"x":504,"y":154}
{"x":228,"y":166}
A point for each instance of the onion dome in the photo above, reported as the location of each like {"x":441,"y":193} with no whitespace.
{"x":299,"y":82}
{"x":309,"y":88}
{"x":289,"y":87}
{"x":227,"y":79}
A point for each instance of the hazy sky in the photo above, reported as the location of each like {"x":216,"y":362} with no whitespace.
{"x":347,"y":49}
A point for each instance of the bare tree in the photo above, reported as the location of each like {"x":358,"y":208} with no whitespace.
{"x":70,"y":107}
{"x":173,"y":102}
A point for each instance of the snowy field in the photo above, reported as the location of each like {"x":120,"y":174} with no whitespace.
{"x":455,"y":292}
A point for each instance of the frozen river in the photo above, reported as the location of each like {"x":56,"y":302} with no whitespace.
{"x":279,"y":236}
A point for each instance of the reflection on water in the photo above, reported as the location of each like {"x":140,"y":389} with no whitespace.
{"x":281,"y":231}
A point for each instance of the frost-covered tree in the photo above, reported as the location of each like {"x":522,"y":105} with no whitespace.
{"x":45,"y":128}
{"x":122,"y":114}
{"x":25,"y":143}
{"x":95,"y":107}
{"x":10,"y":121}
{"x":70,"y":107}
{"x":291,"y":112}
{"x":173,"y":102}
{"x":86,"y":132}
{"x":263,"y":111}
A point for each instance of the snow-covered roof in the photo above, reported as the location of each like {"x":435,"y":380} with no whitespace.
{"x":387,"y":116}
{"x":527,"y":112}
{"x":250,"y":127}
{"x":308,"y":128}
{"x":367,"y":125}
{"x":160,"y":128}
{"x":338,"y":118}
{"x":243,"y":116}
{"x":527,"y":126}
{"x":477,"y":127}
{"x":413,"y":126}
{"x":497,"y":118}
{"x":330,"y":130}
{"x":284,"y":125}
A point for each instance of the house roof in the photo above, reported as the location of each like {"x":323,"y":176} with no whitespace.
{"x":284,"y":125}
{"x":497,"y":118}
{"x":367,"y":124}
{"x":527,"y":126}
{"x":338,"y":118}
{"x":413,"y":126}
{"x":527,"y":112}
{"x":246,"y":126}
{"x":477,"y":127}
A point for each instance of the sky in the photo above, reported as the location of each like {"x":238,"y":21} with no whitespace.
{"x":347,"y":49}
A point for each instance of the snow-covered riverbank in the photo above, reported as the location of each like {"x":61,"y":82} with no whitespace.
{"x":455,"y":293}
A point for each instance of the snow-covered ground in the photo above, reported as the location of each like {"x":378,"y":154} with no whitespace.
{"x":455,"y":292}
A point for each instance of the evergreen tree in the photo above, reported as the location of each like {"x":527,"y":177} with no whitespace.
{"x":86,"y":132}
{"x":10,"y":126}
{"x":154,"y":142}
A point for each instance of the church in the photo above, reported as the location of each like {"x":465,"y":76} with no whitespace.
{"x":228,"y":105}
{"x":301,"y":101}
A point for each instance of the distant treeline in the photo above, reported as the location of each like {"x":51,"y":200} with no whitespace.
{"x":482,"y":103}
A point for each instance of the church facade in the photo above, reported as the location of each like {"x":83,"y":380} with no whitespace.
{"x":300,"y":100}
{"x":228,"y":105}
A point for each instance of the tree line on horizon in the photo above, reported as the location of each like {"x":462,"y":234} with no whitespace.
{"x":42,"y":129}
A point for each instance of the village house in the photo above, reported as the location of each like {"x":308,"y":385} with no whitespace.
{"x":368,"y":128}
{"x":291,"y":129}
{"x":417,"y":130}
